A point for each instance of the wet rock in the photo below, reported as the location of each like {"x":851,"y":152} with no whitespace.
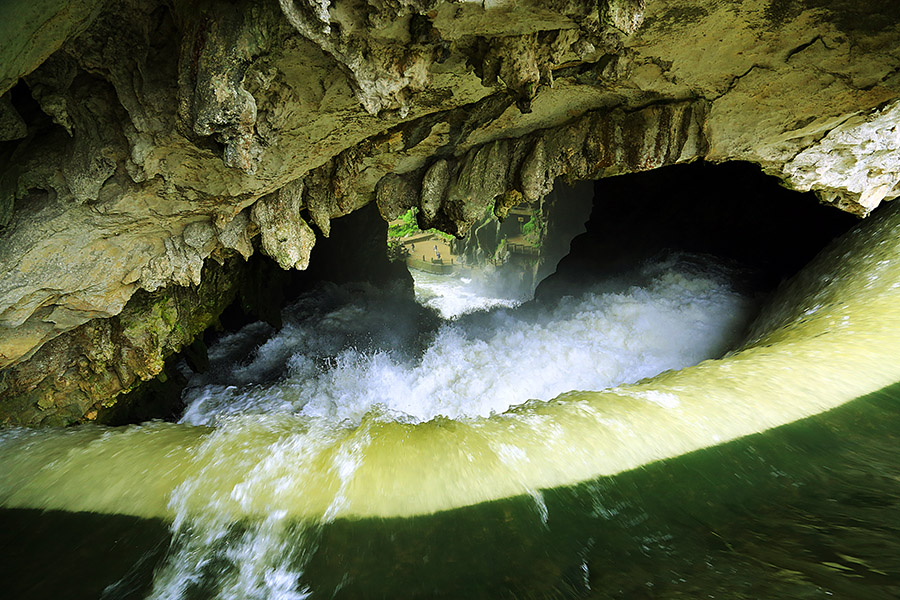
{"x":624,"y":15}
{"x":237,"y":234}
{"x":434,"y":188}
{"x":854,"y":164}
{"x":395,"y":195}
{"x":12,"y":127}
{"x":86,"y":370}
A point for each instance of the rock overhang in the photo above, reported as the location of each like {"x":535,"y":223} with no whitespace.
{"x":169,"y":134}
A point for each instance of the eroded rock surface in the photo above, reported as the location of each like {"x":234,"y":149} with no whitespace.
{"x":73,"y":376}
{"x":140,"y":138}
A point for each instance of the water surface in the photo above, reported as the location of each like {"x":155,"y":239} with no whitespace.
{"x":515,"y":453}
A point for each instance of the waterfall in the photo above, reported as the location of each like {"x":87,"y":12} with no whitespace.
{"x":331,"y":421}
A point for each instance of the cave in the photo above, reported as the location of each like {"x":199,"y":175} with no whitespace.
{"x":610,"y":227}
{"x":444,"y":299}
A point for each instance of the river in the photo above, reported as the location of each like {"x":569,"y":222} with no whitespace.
{"x":658,"y":438}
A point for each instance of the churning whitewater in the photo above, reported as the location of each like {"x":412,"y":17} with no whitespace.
{"x":456,"y":294}
{"x":345,"y":353}
{"x":362,"y":412}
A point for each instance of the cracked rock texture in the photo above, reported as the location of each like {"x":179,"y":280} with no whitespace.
{"x":140,"y":138}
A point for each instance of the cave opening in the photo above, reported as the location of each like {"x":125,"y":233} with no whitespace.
{"x":732,"y":211}
{"x":708,"y":243}
{"x":595,"y":231}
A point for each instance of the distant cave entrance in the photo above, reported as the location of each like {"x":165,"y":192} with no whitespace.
{"x":500,"y":260}
{"x":589,"y":232}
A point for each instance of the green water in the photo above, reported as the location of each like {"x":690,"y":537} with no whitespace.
{"x":807,"y":510}
{"x":772,"y":472}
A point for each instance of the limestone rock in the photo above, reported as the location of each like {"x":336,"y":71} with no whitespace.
{"x":87,"y":368}
{"x":395,"y":195}
{"x":598,"y":144}
{"x":12,"y":127}
{"x":32,"y":31}
{"x":237,"y":234}
{"x":624,"y":15}
{"x":141,"y":138}
{"x":855,"y":164}
{"x":180,"y":263}
{"x":434,"y":188}
{"x":286,"y":237}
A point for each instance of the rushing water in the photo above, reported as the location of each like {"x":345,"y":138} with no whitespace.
{"x":461,"y":293}
{"x":343,"y":354}
{"x":369,"y":450}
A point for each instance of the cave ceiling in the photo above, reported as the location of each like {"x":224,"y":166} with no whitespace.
{"x":140,"y":138}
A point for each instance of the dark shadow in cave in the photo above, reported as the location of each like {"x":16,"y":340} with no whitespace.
{"x":732,"y":211}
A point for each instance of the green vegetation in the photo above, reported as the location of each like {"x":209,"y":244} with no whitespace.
{"x":533,"y":230}
{"x":396,"y":251}
{"x":406,"y":226}
{"x":529,"y":227}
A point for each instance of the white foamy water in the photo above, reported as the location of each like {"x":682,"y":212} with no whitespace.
{"x":348,"y":352}
{"x":458,"y":294}
{"x":342,"y":354}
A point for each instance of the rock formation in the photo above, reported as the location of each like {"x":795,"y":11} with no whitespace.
{"x":140,"y":140}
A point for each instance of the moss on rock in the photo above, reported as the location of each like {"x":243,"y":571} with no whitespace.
{"x":84,"y":374}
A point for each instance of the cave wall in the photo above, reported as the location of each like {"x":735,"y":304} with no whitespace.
{"x":124,"y":369}
{"x":139,"y":138}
